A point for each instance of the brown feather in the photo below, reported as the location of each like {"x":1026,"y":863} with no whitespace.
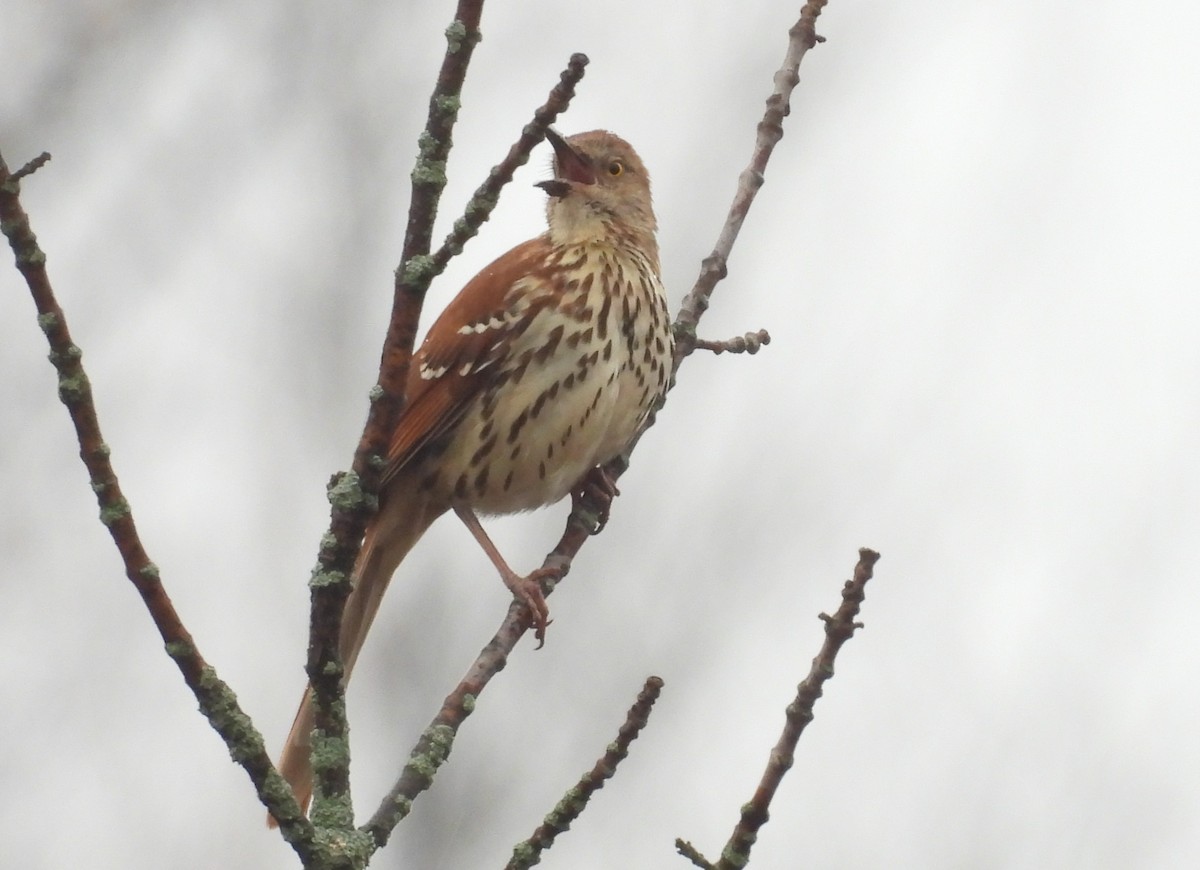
{"x":436,"y":404}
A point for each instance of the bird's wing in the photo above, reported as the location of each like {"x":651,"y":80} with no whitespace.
{"x":463,"y":353}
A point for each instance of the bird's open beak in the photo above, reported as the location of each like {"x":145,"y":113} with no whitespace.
{"x":569,"y":166}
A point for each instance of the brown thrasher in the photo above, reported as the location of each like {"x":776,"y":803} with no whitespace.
{"x":543,"y":368}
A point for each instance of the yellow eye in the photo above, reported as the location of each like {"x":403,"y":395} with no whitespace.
{"x":616,"y":168}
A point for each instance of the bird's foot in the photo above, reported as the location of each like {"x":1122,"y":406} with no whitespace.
{"x":598,"y":487}
{"x":528,"y":592}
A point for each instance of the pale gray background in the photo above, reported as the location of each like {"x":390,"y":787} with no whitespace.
{"x":977,"y":254}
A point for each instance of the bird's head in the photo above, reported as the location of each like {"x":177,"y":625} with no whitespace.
{"x":600,"y":189}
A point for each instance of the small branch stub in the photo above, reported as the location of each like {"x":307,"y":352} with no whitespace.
{"x":687,"y":850}
{"x":749,"y":343}
{"x":31,"y":167}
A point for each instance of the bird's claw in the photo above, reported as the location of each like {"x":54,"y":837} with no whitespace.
{"x":528,"y":592}
{"x":599,"y":487}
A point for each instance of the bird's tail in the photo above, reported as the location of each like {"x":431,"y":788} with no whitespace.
{"x":388,"y":539}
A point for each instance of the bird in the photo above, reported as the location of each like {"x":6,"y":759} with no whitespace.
{"x":543,"y":368}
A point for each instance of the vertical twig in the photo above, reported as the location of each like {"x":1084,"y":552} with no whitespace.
{"x":353,"y":495}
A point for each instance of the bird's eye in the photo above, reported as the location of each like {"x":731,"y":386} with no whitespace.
{"x":616,"y":168}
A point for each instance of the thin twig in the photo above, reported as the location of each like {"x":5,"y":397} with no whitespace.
{"x":839,"y":628}
{"x":479,"y":209}
{"x":529,"y":852}
{"x":217,"y":701}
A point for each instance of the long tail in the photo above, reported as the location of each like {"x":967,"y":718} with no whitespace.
{"x":393,"y":532}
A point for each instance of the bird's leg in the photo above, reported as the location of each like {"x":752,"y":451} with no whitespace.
{"x":599,"y":487}
{"x":527,"y":589}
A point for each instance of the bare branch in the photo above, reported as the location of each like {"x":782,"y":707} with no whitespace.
{"x":801,"y":38}
{"x":839,"y":628}
{"x":529,"y":852}
{"x":216,"y":700}
{"x":749,"y":343}
{"x":353,"y":495}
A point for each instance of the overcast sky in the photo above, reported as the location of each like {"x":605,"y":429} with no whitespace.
{"x":977,"y":254}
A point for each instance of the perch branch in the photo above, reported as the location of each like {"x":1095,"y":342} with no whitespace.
{"x":434,"y":744}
